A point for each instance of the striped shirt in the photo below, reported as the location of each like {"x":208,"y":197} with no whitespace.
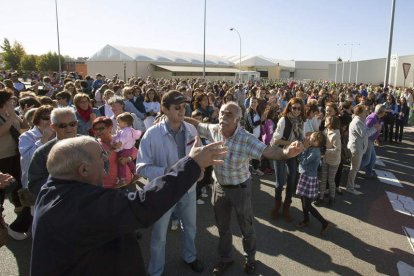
{"x":241,"y":148}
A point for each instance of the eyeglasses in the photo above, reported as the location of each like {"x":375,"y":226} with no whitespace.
{"x":65,"y":125}
{"x":45,"y":118}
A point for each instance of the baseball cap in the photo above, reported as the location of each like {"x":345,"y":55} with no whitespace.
{"x":99,"y":75}
{"x":172,"y":97}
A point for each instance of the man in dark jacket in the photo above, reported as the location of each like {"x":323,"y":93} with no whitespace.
{"x":80,"y":228}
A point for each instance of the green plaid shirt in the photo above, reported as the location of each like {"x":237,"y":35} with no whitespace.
{"x":241,"y":147}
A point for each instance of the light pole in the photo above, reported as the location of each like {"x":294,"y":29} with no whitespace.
{"x":204,"y":51}
{"x":57,"y":29}
{"x":387,"y":66}
{"x":234,"y":29}
{"x":350,"y":64}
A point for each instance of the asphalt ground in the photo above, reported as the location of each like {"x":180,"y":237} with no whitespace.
{"x":368,"y":237}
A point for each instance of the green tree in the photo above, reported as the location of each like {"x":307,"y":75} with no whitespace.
{"x":28,"y":63}
{"x":49,"y":62}
{"x":12,"y":54}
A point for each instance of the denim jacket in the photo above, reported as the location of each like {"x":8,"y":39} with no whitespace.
{"x":309,"y":161}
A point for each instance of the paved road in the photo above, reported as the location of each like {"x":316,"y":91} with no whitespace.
{"x":369,"y":237}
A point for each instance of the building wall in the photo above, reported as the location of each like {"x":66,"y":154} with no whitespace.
{"x":311,"y":74}
{"x":373,"y":71}
{"x":110,"y":68}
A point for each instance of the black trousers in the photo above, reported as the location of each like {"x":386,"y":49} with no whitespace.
{"x":308,"y":208}
{"x":399,"y":130}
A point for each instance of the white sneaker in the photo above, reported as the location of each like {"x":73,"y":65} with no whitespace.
{"x":174,"y":224}
{"x":357,"y":186}
{"x":258,"y":172}
{"x":353,"y":191}
{"x":16,"y":235}
{"x":200,"y":201}
{"x":204,"y":195}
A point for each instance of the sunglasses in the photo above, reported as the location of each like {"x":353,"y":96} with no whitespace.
{"x":65,"y":125}
{"x":45,"y":118}
{"x":98,"y":128}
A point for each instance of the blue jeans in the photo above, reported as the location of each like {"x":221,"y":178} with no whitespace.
{"x":285,"y":170}
{"x":186,"y":211}
{"x":369,"y":158}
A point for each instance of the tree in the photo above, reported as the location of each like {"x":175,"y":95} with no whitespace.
{"x":28,"y":63}
{"x":12,"y":54}
{"x":49,"y":62}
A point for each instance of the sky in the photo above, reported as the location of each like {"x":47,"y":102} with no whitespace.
{"x":281,"y":29}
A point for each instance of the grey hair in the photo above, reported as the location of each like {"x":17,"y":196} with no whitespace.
{"x":379,"y":108}
{"x":236,"y":106}
{"x":116,"y":99}
{"x":60,"y":112}
{"x":67,"y":155}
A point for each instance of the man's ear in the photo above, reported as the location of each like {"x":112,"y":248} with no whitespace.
{"x":83,"y":170}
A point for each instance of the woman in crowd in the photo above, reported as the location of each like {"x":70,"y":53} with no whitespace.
{"x":105,"y":109}
{"x":152,"y":107}
{"x":389,"y":118}
{"x":118,"y":106}
{"x":289,"y":129}
{"x":85,"y":113}
{"x":10,"y":126}
{"x":201,"y":104}
{"x":312,"y":123}
{"x":102,"y":127}
{"x":358,"y":142}
{"x":30,"y":140}
{"x":402,"y":113}
{"x":253,"y":121}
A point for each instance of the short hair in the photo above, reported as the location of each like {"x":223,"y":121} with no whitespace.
{"x":45,"y":100}
{"x":64,"y":95}
{"x":126,"y":117}
{"x":127,"y":90}
{"x":234,"y":105}
{"x":379,"y":109}
{"x":311,"y":107}
{"x":44,"y":109}
{"x":107,"y":94}
{"x":29,"y":101}
{"x":78,"y":97}
{"x":359,"y":109}
{"x":4,"y":97}
{"x":57,"y":113}
{"x":103,"y":120}
{"x":116,"y":99}
{"x":67,"y":155}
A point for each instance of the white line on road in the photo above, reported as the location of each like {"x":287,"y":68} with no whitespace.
{"x":388,"y":178}
{"x":405,"y":269}
{"x":379,"y":162}
{"x":409,"y":232}
{"x":398,"y":164}
{"x":401,"y":204}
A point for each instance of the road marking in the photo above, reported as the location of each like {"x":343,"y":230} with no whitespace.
{"x":409,"y":232}
{"x":379,"y":162}
{"x":398,"y":164}
{"x":401,"y":204}
{"x":388,"y":178}
{"x":405,"y":269}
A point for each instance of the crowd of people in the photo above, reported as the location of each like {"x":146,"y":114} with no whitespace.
{"x":313,"y":137}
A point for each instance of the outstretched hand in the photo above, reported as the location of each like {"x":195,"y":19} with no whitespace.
{"x":294,"y":149}
{"x":211,"y":154}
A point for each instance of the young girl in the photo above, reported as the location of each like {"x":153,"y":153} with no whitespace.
{"x":308,"y":180}
{"x":124,"y":141}
{"x":332,"y":158}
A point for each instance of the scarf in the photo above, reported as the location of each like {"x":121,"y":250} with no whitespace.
{"x":297,"y":127}
{"x":85,"y":114}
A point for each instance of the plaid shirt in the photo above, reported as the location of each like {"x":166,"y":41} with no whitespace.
{"x":241,"y":147}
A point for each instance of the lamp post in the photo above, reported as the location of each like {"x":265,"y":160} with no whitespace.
{"x":204,"y":51}
{"x":387,"y":66}
{"x":234,"y":29}
{"x":57,"y":29}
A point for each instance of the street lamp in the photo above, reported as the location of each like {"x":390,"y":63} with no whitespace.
{"x":387,"y":65}
{"x":234,"y":29}
{"x":57,"y":29}
{"x":204,"y":51}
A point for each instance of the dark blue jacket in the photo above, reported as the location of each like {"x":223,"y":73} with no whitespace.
{"x":82,"y":229}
